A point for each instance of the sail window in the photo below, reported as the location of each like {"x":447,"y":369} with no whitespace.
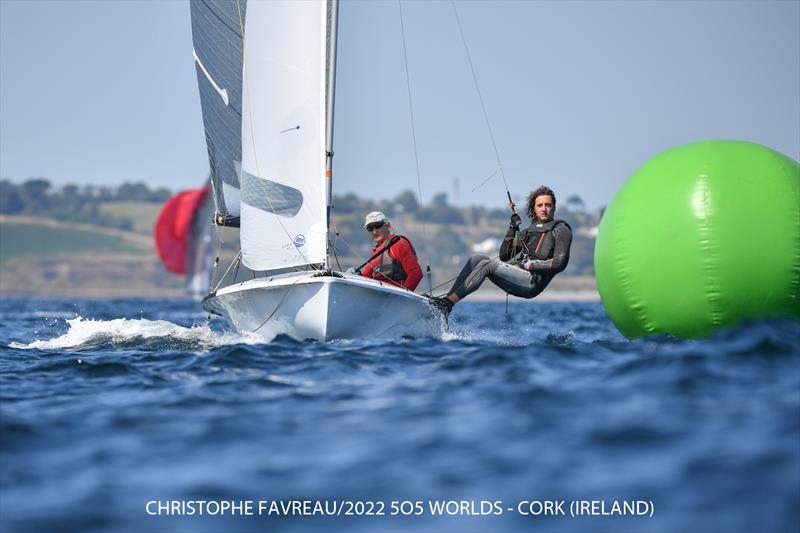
{"x":270,"y":196}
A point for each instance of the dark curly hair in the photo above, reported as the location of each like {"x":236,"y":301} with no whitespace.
{"x":541,"y":191}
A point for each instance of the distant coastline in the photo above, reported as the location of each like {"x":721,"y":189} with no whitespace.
{"x":42,"y":259}
{"x":96,"y":242}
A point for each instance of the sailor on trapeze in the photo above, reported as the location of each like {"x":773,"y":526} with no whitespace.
{"x":528,"y":259}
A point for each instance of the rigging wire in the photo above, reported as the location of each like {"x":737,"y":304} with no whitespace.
{"x":485,"y":115}
{"x":235,"y":261}
{"x":414,"y":140}
{"x":490,"y":176}
{"x":480,"y":97}
{"x":215,"y":268}
{"x":333,"y":245}
{"x":280,"y":303}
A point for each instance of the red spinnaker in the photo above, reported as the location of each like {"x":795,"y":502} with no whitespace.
{"x":173,"y":226}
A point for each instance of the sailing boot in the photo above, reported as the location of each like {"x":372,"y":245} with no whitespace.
{"x":442,"y":304}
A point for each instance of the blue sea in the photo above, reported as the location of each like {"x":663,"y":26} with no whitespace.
{"x":140,"y":415}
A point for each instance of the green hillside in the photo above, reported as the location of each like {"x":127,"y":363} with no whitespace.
{"x":142,"y":215}
{"x":46,"y":240}
{"x":48,"y":258}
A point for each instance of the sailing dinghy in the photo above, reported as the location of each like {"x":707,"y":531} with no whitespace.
{"x":183,"y":238}
{"x":266,"y":74}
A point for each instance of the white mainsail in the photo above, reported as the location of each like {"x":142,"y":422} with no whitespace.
{"x":283,"y":204}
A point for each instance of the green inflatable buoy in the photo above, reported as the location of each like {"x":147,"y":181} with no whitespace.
{"x":702,"y":236}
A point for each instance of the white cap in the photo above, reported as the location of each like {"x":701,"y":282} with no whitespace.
{"x":375,"y":216}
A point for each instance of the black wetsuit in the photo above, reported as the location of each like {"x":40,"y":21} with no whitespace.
{"x":545,"y":244}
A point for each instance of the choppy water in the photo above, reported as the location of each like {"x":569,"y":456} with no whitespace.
{"x":105,"y":406}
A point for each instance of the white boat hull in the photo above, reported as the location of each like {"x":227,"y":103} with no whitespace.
{"x":306,"y":306}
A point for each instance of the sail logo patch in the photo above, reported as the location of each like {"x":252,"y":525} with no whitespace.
{"x":299,"y":240}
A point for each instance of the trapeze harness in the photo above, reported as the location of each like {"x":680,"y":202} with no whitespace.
{"x":391,"y":268}
{"x":539,"y":245}
{"x":538,"y":242}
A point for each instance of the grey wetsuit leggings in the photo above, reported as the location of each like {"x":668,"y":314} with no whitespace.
{"x":512,"y":279}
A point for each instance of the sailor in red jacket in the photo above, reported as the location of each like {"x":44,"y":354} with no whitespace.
{"x":398,"y":264}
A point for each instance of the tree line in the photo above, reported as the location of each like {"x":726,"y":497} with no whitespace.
{"x":74,"y":203}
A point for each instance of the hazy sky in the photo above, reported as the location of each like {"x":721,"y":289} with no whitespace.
{"x":579,"y":94}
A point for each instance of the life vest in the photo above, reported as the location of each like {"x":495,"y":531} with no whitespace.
{"x":389,"y":267}
{"x":538,"y":239}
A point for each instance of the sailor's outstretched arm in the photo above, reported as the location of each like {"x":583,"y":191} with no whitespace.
{"x":507,"y":250}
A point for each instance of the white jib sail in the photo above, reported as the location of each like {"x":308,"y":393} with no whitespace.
{"x":283,"y":209}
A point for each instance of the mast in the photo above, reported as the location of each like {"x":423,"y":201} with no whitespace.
{"x":333,"y":16}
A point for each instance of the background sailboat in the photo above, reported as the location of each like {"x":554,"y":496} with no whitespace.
{"x":266,"y":72}
{"x":182,"y":236}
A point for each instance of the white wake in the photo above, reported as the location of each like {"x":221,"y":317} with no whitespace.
{"x":83,"y":332}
